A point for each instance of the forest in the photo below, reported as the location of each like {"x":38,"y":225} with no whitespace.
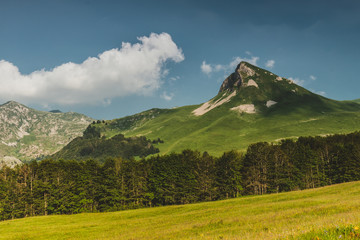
{"x":69,"y":186}
{"x":92,"y":146}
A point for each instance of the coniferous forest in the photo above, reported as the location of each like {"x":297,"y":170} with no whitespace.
{"x":69,"y":186}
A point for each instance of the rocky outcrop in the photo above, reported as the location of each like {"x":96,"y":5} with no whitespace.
{"x":208,"y":106}
{"x":245,"y":108}
{"x":232,"y":82}
{"x":251,"y":83}
{"x":235,"y":80}
{"x":245,"y":69}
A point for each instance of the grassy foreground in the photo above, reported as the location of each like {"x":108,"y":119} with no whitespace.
{"x":331,"y":212}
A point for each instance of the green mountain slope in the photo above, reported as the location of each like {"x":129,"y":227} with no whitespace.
{"x":326,"y":212}
{"x":82,"y":148}
{"x":357,"y":100}
{"x":28,"y":133}
{"x":252,"y":105}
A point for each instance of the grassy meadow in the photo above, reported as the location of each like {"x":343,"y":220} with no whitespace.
{"x":331,"y":212}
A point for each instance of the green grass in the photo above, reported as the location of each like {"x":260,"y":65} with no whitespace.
{"x":28,"y":139}
{"x":356,"y":100}
{"x":298,"y":112}
{"x":343,"y":232}
{"x":326,"y":213}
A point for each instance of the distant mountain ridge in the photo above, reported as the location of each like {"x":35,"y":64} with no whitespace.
{"x":252,"y":105}
{"x":26,"y":133}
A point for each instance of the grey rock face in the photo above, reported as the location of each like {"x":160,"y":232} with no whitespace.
{"x":232,"y":82}
{"x":27,"y":133}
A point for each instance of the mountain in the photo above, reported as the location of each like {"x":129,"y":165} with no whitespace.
{"x":55,"y":111}
{"x":27,"y":133}
{"x":252,"y":105}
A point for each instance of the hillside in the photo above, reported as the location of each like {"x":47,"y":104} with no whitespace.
{"x":326,"y":212}
{"x":252,"y":105}
{"x":27,"y":133}
{"x":82,"y":148}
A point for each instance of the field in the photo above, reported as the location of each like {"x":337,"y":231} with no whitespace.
{"x":331,"y":212}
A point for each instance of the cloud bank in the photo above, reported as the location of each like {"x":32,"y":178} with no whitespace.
{"x":134,"y":69}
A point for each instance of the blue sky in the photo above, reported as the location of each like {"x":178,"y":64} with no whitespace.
{"x":109,"y":59}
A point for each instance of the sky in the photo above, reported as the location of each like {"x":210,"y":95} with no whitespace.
{"x":109,"y":59}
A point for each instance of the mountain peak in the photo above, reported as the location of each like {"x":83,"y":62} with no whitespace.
{"x":11,"y":103}
{"x":235,"y":80}
{"x":251,"y":89}
{"x":246,"y":68}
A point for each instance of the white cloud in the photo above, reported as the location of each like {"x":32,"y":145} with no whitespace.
{"x":206,"y":68}
{"x":270,"y":64}
{"x":167,"y":97}
{"x":312,"y":77}
{"x":253,"y":60}
{"x":219,"y":67}
{"x":298,"y":81}
{"x":106,"y":102}
{"x":134,"y":69}
{"x":230,"y":67}
{"x":174,"y":79}
{"x":322,"y":93}
{"x":303,"y":82}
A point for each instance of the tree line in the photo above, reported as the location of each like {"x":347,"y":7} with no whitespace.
{"x":69,"y":187}
{"x":309,"y":162}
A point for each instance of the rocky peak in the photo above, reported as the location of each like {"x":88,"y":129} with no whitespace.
{"x":15,"y":108}
{"x":235,"y":80}
{"x":245,"y":68}
{"x":11,"y":104}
